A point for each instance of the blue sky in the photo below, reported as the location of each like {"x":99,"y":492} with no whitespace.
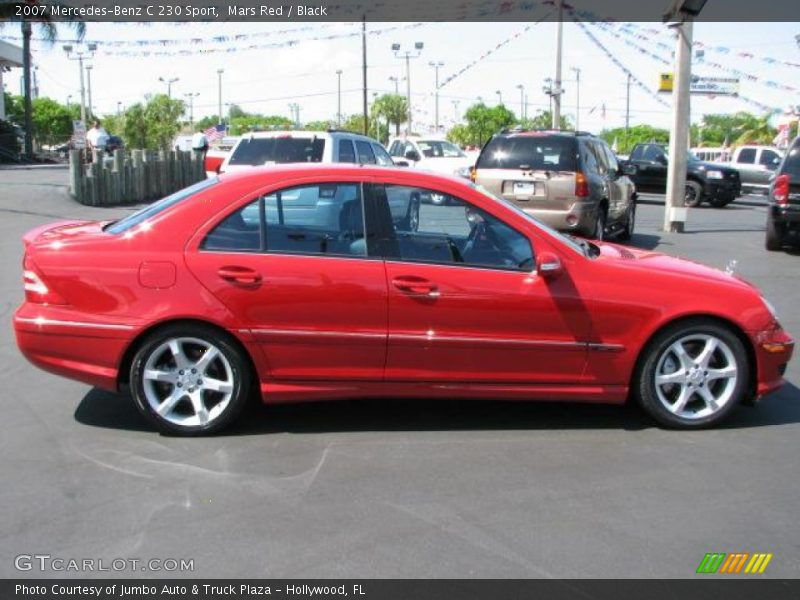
{"x":267,"y":80}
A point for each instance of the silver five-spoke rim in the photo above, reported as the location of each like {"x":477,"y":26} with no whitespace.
{"x":696,"y":376}
{"x":188,"y":381}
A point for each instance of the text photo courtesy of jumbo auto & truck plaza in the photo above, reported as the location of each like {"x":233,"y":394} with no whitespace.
{"x":470,"y":299}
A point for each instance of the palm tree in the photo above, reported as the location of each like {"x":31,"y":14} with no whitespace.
{"x":391,"y":107}
{"x":49,"y":31}
{"x":756,"y":130}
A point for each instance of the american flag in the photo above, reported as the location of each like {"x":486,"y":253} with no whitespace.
{"x":215,"y":132}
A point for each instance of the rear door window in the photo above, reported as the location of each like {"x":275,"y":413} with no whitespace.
{"x":365,"y":154}
{"x":747,"y":156}
{"x":538,"y":153}
{"x":288,"y":149}
{"x":769,"y":158}
{"x":347,"y":153}
{"x":381,"y":156}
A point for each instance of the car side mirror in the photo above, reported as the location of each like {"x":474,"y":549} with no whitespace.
{"x":628,"y":169}
{"x":412,"y":155}
{"x":549,"y":265}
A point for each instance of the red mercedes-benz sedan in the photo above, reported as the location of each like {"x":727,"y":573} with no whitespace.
{"x":325,"y":282}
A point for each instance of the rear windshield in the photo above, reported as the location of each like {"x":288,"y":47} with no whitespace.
{"x":259,"y":151}
{"x":152,"y":210}
{"x":539,"y":153}
{"x":791,"y":165}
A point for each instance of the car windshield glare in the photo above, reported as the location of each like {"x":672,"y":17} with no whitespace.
{"x":152,"y":210}
{"x":440,"y":149}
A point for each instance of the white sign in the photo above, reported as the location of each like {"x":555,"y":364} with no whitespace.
{"x":715,"y":86}
{"x":79,"y":134}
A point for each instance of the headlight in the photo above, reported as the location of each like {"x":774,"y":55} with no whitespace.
{"x":714,"y":174}
{"x":462,"y":172}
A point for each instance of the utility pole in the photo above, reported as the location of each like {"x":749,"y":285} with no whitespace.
{"x":455,"y":110}
{"x":549,"y":90}
{"x":578,"y":98}
{"x":364,"y":71}
{"x":408,"y":55}
{"x":674,"y":209}
{"x":436,"y":66}
{"x":294,"y":109}
{"x":79,"y":56}
{"x":559,"y":47}
{"x":521,"y":89}
{"x":119,"y":107}
{"x":191,"y":96}
{"x":89,"y":90}
{"x":339,"y":98}
{"x":219,"y":76}
{"x":69,"y":100}
{"x":627,"y":108}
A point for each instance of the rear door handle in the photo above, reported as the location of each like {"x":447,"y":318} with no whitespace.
{"x":240,"y":275}
{"x":416,"y":285}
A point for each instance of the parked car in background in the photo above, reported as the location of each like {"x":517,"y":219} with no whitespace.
{"x":570,"y":181}
{"x":114,"y":143}
{"x":705,"y":182}
{"x":720,"y":154}
{"x":431,"y":154}
{"x":217,"y":152}
{"x":215,"y":292}
{"x":783,"y":214}
{"x":278,"y":147}
{"x":756,"y":166}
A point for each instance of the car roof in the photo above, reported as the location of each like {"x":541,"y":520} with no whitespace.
{"x":304,"y":133}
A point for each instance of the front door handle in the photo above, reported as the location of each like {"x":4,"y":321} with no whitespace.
{"x":416,"y":285}
{"x":240,"y":275}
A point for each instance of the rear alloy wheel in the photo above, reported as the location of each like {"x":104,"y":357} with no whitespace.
{"x":627,"y":233}
{"x":694,"y":194}
{"x":775,"y":234}
{"x":189,"y":380}
{"x":600,"y":225}
{"x":693,"y":375}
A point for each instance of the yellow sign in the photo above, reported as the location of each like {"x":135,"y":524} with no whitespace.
{"x":665,"y":83}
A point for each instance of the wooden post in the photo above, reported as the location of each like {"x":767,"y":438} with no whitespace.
{"x":75,"y":174}
{"x":138,"y":176}
{"x":118,"y":172}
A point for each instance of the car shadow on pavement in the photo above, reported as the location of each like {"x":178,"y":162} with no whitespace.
{"x":117,"y":411}
{"x":644,"y":241}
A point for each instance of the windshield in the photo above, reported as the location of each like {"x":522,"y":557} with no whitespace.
{"x":568,"y":240}
{"x":439,"y":149}
{"x":259,"y":151}
{"x":530,"y":152}
{"x":690,"y":156}
{"x":152,"y":210}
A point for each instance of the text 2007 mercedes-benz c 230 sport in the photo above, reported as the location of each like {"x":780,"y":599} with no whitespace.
{"x":325,"y":282}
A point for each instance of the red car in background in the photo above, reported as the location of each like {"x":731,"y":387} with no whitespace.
{"x":324,"y":282}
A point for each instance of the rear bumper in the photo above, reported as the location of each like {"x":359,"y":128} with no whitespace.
{"x":774,"y":349}
{"x":578,"y":217}
{"x":71,"y":345}
{"x":788,"y":214}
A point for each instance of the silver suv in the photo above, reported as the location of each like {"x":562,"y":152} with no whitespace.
{"x":569,"y":180}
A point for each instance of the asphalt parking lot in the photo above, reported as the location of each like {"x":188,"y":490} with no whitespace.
{"x":406,"y":489}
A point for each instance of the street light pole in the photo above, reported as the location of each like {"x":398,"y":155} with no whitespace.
{"x":219,"y":96}
{"x":191,"y":96}
{"x":79,"y":56}
{"x":559,"y":46}
{"x":578,"y":97}
{"x":499,"y":97}
{"x":408,"y":55}
{"x":521,"y":89}
{"x":339,"y":98}
{"x":119,"y":107}
{"x":436,"y":66}
{"x":169,"y":83}
{"x":627,"y":108}
{"x":396,"y":89}
{"x":89,"y":89}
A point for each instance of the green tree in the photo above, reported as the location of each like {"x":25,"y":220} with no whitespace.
{"x":637,"y":134}
{"x":153,"y":124}
{"x":235,"y":111}
{"x":355,"y":124}
{"x":52,"y":122}
{"x":393,"y":108}
{"x":482,"y":122}
{"x":49,"y":31}
{"x":206,"y":122}
{"x":544,"y":120}
{"x":318,"y":125}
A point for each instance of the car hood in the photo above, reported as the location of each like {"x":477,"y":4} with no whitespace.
{"x":663,"y":263}
{"x":710,"y":166}
{"x":444,"y":165}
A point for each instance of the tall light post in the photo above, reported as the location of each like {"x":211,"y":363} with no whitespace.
{"x":89,"y":90}
{"x":455,"y":110}
{"x":191,"y":96}
{"x":499,"y":97}
{"x":168,"y":82}
{"x":219,"y":97}
{"x":339,"y":98}
{"x":119,"y":107}
{"x":294,"y":109}
{"x":556,"y":94}
{"x":436,"y":66}
{"x":396,"y":81}
{"x":680,"y":15}
{"x":521,"y":89}
{"x":408,"y":55}
{"x":577,"y":72}
{"x":69,"y":100}
{"x":80,"y":56}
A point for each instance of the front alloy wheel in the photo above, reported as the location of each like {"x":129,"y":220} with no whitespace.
{"x":693,"y":375}
{"x":189,"y":382}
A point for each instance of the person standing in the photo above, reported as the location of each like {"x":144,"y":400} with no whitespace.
{"x":97,"y":137}
{"x":200,"y":143}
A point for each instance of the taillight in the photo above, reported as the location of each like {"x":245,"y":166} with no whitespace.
{"x":36,"y":289}
{"x":581,"y":185}
{"x":781,"y":189}
{"x":473,"y":174}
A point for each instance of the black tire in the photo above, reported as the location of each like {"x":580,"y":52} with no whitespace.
{"x":775,"y":235}
{"x":630,"y":223}
{"x":599,"y":230}
{"x":693,"y":197}
{"x":231,"y":367}
{"x":658,"y":351}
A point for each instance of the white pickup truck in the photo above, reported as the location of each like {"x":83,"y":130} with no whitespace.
{"x":756,"y":166}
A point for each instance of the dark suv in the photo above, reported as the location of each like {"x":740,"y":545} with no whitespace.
{"x":783,"y":215}
{"x":569,"y":180}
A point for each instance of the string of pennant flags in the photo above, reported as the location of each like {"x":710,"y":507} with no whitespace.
{"x":665,"y":61}
{"x":639,"y":83}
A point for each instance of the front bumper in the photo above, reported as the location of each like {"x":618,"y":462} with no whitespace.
{"x":774,"y":348}
{"x":73,"y":346}
{"x":721,"y":188}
